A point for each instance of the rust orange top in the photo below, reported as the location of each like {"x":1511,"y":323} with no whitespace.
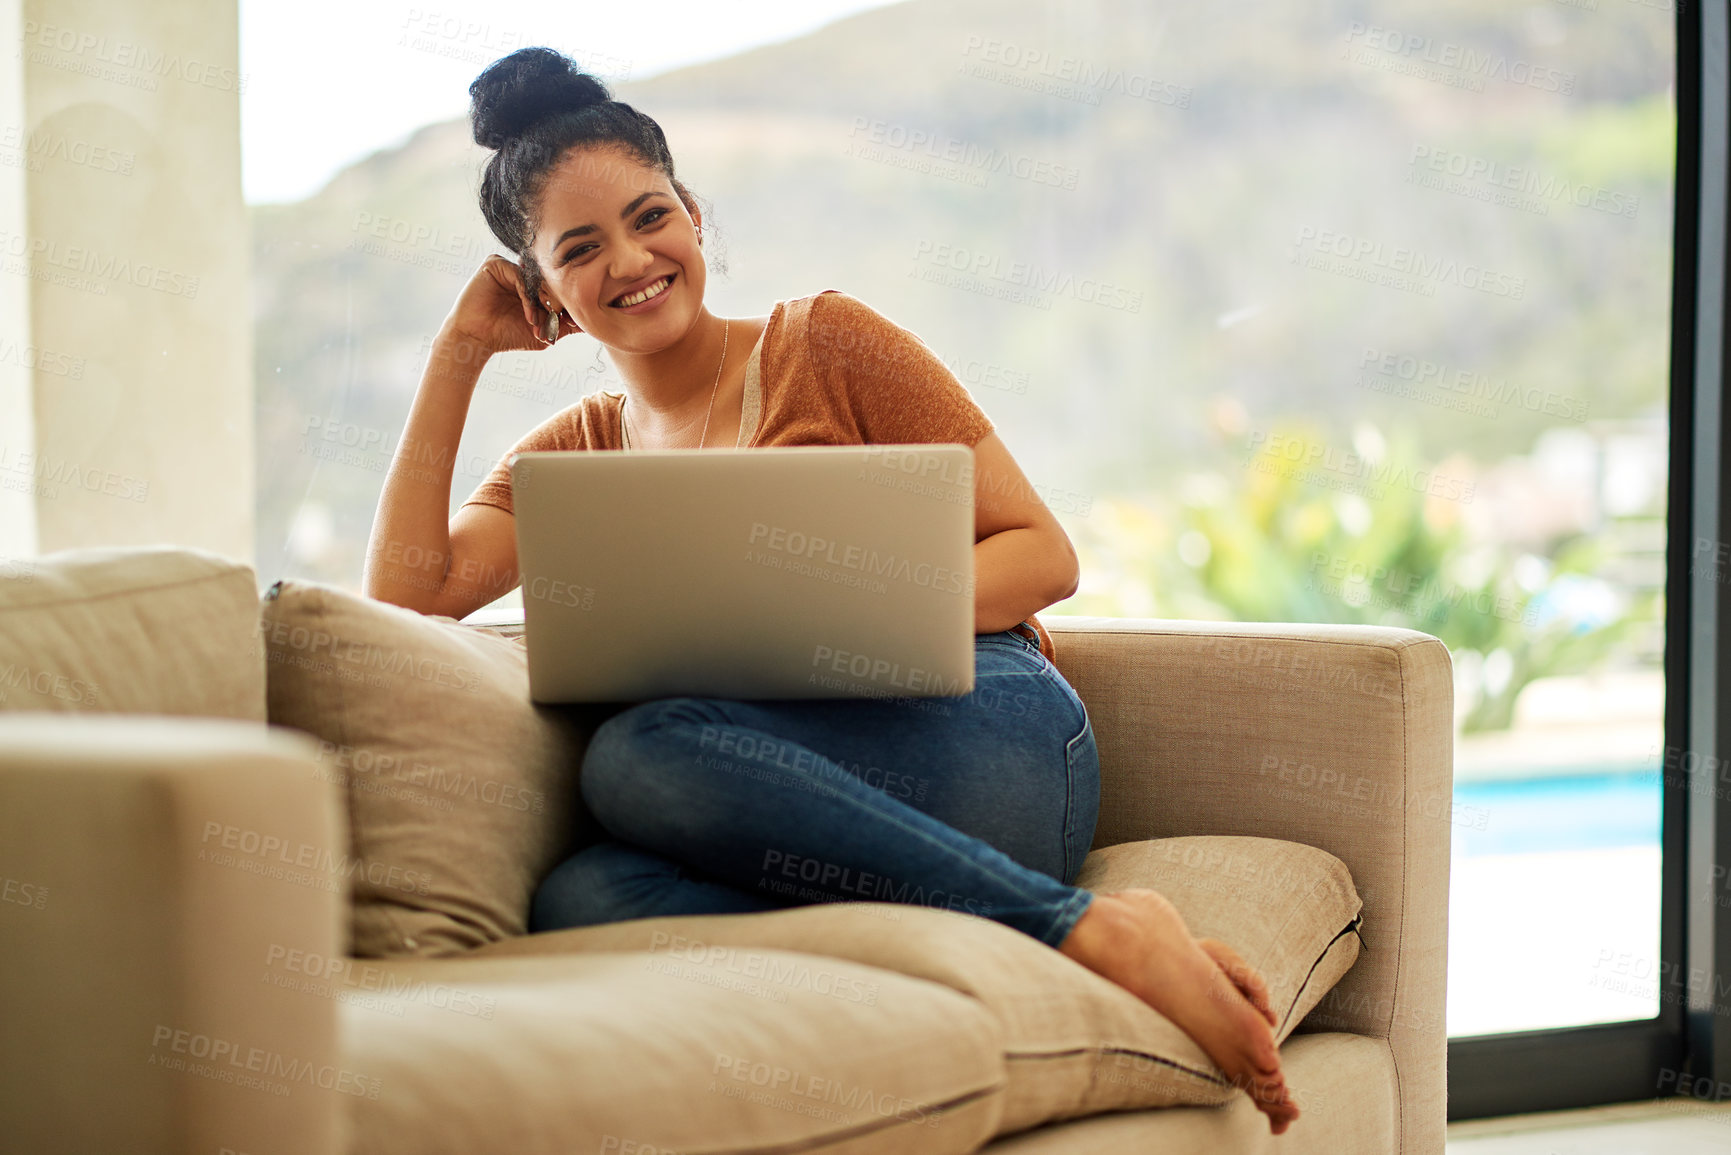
{"x":828,"y":370}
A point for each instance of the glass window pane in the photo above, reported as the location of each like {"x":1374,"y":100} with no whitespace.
{"x":1315,"y":313}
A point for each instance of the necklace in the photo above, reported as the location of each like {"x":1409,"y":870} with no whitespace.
{"x":624,"y":429}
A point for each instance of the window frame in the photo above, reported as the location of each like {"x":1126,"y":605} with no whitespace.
{"x":1584,"y":1066}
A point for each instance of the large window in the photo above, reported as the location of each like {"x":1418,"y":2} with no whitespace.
{"x":1342,"y":312}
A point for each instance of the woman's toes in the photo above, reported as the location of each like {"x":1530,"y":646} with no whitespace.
{"x":1243,"y":976}
{"x":1281,"y":1117}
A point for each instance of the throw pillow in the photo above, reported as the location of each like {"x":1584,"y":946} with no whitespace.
{"x":460,"y":790}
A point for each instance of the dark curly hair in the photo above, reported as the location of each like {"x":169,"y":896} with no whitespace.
{"x":532,"y":107}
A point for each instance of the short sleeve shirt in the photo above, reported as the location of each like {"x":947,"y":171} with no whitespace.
{"x":828,"y":370}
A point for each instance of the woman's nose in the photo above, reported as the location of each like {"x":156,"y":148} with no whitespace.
{"x":630,"y":260}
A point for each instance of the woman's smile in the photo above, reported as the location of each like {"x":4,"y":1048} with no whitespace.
{"x":646,"y":298}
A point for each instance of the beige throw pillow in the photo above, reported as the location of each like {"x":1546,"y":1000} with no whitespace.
{"x":1074,"y":1043}
{"x":1290,"y":910}
{"x":460,"y":790}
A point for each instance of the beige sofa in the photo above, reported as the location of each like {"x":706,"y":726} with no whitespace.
{"x":155,"y":999}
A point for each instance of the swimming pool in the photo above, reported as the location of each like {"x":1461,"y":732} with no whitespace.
{"x":1589,"y":811}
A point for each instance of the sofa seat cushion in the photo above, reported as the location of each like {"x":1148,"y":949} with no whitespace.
{"x":647,"y":1053}
{"x":135,"y":630}
{"x":460,"y":790}
{"x":1074,"y":1043}
{"x":1347,"y":1093}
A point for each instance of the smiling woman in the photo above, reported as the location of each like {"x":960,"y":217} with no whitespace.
{"x":609,"y":243}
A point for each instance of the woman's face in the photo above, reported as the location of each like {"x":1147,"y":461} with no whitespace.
{"x":609,"y":228}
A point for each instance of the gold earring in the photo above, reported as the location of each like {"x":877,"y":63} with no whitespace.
{"x":552,"y":333}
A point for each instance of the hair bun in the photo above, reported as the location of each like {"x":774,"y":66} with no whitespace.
{"x":529,"y":85}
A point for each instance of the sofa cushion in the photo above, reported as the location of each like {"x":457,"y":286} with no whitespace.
{"x":642,"y":1053}
{"x":459,"y":788}
{"x":1074,"y":1043}
{"x":1345,"y":1086}
{"x":135,"y":630}
{"x":1289,"y":910}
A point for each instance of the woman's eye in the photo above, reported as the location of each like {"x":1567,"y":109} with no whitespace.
{"x":653,"y":216}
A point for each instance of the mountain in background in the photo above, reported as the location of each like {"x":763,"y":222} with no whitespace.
{"x":1205,"y":147}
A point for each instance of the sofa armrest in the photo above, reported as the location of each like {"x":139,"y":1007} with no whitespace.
{"x":1340,"y":737}
{"x":155,"y":873}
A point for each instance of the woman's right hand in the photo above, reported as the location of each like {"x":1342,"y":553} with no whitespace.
{"x":495,"y":310}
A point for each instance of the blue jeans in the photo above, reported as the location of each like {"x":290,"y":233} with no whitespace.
{"x":984,"y":803}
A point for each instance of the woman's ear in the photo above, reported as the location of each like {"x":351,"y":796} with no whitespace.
{"x":690,"y":203}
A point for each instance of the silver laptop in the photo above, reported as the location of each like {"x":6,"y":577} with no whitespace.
{"x":782,"y":572}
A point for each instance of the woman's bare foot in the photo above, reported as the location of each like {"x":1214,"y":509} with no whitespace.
{"x":1243,"y":976}
{"x":1138,"y":939}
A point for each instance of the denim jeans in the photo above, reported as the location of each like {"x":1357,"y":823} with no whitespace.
{"x":984,"y":803}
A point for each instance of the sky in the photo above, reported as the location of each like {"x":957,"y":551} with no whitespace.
{"x":329,"y":81}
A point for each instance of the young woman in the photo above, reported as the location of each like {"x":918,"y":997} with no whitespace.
{"x":984,"y":803}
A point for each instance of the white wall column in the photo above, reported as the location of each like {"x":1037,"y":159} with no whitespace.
{"x":125,"y":320}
